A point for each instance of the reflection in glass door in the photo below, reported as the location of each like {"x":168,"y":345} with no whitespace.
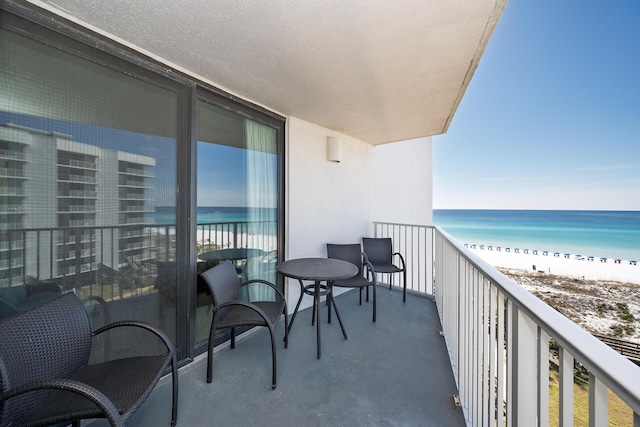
{"x":236,"y":201}
{"x":87,"y":187}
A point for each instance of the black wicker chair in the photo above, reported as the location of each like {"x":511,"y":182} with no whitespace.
{"x":229,"y":312}
{"x":379,"y":252}
{"x":46,"y":378}
{"x":353,"y":254}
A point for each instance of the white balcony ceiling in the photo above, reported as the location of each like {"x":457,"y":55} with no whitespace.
{"x":377,"y":70}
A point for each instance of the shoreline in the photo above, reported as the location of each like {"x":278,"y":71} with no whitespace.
{"x":560,"y":264}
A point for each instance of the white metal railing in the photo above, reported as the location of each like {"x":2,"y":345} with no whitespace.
{"x":498,"y":336}
{"x":415,"y":244}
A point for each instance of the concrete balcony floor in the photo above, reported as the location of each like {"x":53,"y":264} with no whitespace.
{"x":394,"y":372}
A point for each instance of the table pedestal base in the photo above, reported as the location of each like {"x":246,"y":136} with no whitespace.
{"x":318,"y":290}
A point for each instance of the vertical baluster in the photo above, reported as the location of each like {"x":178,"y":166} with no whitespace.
{"x":543,"y":379}
{"x":598,"y":402}
{"x":486,"y":343}
{"x":526,"y":370}
{"x":493,"y":357}
{"x":566,"y":388}
{"x":511,"y":337}
{"x":500,"y":363}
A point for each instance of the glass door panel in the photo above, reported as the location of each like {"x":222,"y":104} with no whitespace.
{"x":237,"y":201}
{"x":87,"y":187}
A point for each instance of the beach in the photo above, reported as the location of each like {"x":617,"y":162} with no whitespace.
{"x":570,"y":265}
{"x":602,"y":297}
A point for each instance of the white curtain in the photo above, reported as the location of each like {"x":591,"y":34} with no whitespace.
{"x":261,"y":204}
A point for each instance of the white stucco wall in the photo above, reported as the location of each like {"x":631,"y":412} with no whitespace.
{"x":404,"y":181}
{"x":329,"y":202}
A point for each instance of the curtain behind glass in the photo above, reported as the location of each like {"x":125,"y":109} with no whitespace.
{"x":261,"y":203}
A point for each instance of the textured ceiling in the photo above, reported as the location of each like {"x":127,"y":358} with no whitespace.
{"x":377,"y":70}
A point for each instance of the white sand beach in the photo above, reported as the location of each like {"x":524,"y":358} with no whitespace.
{"x":571,"y":266}
{"x":221,"y":239}
{"x":597,"y":301}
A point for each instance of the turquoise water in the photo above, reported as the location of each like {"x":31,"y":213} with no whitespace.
{"x":611,"y":234}
{"x":212,"y":214}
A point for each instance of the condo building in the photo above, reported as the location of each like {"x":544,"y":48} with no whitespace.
{"x":64,"y":212}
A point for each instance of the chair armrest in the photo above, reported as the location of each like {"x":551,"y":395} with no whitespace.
{"x":142,"y":325}
{"x":245,"y":304}
{"x":370,"y":270}
{"x":77,"y":387}
{"x":401,"y":258}
{"x":102,"y":303}
{"x":264,"y":282}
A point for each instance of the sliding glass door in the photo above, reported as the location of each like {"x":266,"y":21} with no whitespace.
{"x":237,"y":199}
{"x":98,"y":148}
{"x":88,"y":182}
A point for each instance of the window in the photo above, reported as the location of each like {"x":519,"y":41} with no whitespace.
{"x":87,"y":177}
{"x":94,"y":144}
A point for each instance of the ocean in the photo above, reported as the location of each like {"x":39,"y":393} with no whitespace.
{"x":611,"y":234}
{"x":213,"y":214}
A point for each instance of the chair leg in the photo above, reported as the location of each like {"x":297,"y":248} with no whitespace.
{"x":404,"y":290}
{"x":286,"y":329}
{"x":174,"y":375}
{"x":360,"y":303}
{"x":273,"y":358}
{"x":374,"y":301}
{"x":212,"y":336}
{"x":233,"y":337}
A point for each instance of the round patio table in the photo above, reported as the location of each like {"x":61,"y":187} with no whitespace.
{"x":318,"y":270}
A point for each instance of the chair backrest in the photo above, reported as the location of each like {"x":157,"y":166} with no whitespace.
{"x":50,"y":341}
{"x":350,"y":252}
{"x":223,"y":283}
{"x":379,"y":250}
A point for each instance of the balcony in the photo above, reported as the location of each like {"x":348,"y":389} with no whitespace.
{"x":494,"y":353}
{"x":493,"y":356}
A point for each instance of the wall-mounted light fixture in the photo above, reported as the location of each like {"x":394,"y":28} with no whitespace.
{"x":334,"y":149}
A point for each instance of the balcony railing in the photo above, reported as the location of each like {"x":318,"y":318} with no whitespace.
{"x":44,"y":250}
{"x":223,"y":235}
{"x":497,"y":334}
{"x":498,"y":337}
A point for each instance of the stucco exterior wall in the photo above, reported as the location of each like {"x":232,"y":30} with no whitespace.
{"x":404,"y":177}
{"x":326,"y":201}
{"x":329,"y":202}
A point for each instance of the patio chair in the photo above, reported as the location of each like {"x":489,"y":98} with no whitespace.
{"x":379,"y":252}
{"x":46,"y":378}
{"x":352,"y":253}
{"x":229,"y":312}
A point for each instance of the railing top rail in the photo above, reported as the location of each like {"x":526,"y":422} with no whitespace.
{"x":395,"y":224}
{"x":614,"y":370}
{"x":136,"y":225}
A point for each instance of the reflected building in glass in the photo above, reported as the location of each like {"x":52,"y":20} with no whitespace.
{"x":80,"y":216}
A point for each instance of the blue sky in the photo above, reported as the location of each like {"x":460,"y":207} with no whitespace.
{"x":551,"y":118}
